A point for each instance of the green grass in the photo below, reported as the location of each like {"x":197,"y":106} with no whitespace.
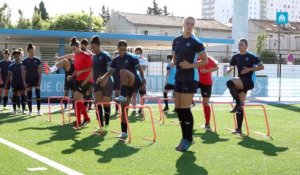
{"x":212,"y":153}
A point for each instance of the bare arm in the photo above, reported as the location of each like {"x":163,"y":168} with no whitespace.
{"x":201,"y":62}
{"x":259,"y":67}
{"x":83,"y":71}
{"x":103,"y":80}
{"x":40,"y":74}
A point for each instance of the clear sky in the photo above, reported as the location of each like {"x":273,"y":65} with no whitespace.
{"x":178,"y":7}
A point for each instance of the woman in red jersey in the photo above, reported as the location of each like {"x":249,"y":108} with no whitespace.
{"x":205,"y":85}
{"x":83,"y":68}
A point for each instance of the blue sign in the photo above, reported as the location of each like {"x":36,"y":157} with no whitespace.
{"x":282,"y":18}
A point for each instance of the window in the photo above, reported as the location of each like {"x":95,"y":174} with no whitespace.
{"x":297,"y":43}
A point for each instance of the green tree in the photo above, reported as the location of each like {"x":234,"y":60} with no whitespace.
{"x":76,"y":22}
{"x":165,"y":11}
{"x":154,"y":10}
{"x":23,"y":23}
{"x":268,"y":57}
{"x":43,"y":11}
{"x":5,"y":15}
{"x":36,"y":19}
{"x":261,"y":40}
{"x":105,"y":14}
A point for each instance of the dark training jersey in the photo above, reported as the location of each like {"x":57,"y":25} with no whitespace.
{"x":16,"y":71}
{"x":248,"y":60}
{"x":187,"y":49}
{"x":4,"y":69}
{"x":31,"y":67}
{"x":72,"y":69}
{"x":129,"y":62}
{"x":100,"y":64}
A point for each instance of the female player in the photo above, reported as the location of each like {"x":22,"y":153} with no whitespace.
{"x":127,"y":65}
{"x":170,"y":81}
{"x":32,"y":72}
{"x":17,"y":81}
{"x":101,"y":61}
{"x":186,"y":48}
{"x":4,"y":64}
{"x":83,"y":67}
{"x":142,"y":90}
{"x":247,"y":63}
{"x":205,"y":85}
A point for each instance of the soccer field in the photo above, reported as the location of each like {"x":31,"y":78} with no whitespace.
{"x":221,"y":153}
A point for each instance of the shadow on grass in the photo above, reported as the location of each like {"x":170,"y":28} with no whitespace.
{"x":186,"y":164}
{"x":12,"y":118}
{"x":172,"y":115}
{"x":287,"y":107}
{"x":85,"y":144}
{"x":267,"y":148}
{"x":119,"y":150}
{"x":61,"y":133}
{"x":209,"y":137}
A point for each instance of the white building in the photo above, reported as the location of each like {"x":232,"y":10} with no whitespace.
{"x":222,"y":10}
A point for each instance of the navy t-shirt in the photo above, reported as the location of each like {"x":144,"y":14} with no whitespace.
{"x":4,"y":69}
{"x":129,"y":62}
{"x":187,"y":49}
{"x":31,"y":67}
{"x":248,"y":60}
{"x":100,"y":64}
{"x":16,"y":71}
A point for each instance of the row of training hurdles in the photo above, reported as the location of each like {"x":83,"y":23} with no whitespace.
{"x":162,"y":117}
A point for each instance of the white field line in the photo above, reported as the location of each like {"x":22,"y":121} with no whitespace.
{"x":40,"y":158}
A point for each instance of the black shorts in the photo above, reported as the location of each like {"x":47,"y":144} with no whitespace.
{"x":205,"y":90}
{"x":2,"y":86}
{"x":188,"y":87}
{"x":247,"y":83}
{"x":142,"y":90}
{"x":70,"y":85}
{"x":169,"y":87}
{"x":83,"y":89}
{"x":107,"y":90}
{"x":116,"y":85}
{"x":32,"y":83}
{"x":19,"y":87}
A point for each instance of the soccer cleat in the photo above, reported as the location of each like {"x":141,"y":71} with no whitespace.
{"x":14,"y":112}
{"x":121,"y":99}
{"x":236,"y":108}
{"x":123,"y":135}
{"x":207,"y":127}
{"x":46,"y":68}
{"x":85,"y":122}
{"x":4,"y":109}
{"x":184,"y":146}
{"x":166,"y":109}
{"x":237,"y":132}
{"x":23,"y":112}
{"x":29,"y":113}
{"x":179,"y":145}
{"x":39,"y":113}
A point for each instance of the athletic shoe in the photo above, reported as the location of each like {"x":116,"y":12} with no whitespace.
{"x":23,"y":112}
{"x":121,"y":99}
{"x":166,"y":109}
{"x":133,"y":113}
{"x":207,"y":127}
{"x":179,"y":145}
{"x":46,"y":68}
{"x":237,"y":132}
{"x":29,"y":113}
{"x":123,"y":135}
{"x":4,"y":109}
{"x":236,"y":108}
{"x":184,"y":146}
{"x":14,"y":112}
{"x":39,"y":113}
{"x":85,"y":122}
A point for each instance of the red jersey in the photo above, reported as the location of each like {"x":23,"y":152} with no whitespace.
{"x":82,"y":61}
{"x":205,"y":78}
